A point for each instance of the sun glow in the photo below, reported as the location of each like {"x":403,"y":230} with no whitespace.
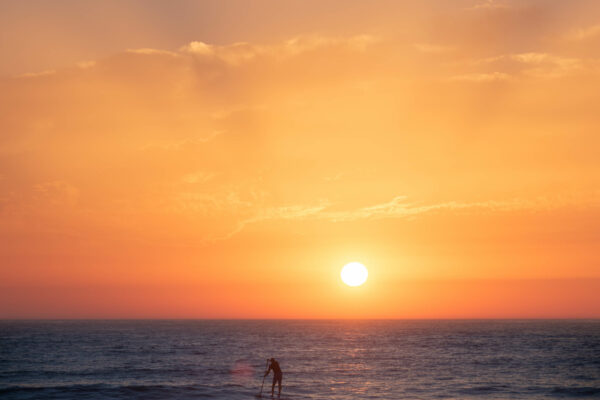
{"x":354,"y":274}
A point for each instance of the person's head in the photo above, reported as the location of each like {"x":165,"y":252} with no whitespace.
{"x":272,"y":360}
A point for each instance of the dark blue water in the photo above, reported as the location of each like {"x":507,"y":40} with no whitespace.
{"x":320,"y":359}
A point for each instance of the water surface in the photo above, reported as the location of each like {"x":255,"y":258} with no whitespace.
{"x":320,"y":359}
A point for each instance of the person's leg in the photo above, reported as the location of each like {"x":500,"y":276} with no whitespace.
{"x":273,"y":385}
{"x":280,"y":379}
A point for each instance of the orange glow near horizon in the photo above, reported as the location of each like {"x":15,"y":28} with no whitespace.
{"x":229,"y":169}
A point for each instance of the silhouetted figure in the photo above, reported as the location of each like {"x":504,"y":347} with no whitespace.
{"x":277,"y":375}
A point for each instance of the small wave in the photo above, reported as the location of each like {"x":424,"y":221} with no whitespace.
{"x":576,"y":391}
{"x":584,"y":378}
{"x":483,"y":389}
{"x":98,"y":391}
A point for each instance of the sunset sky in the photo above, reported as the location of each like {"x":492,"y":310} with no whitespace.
{"x":225,"y":159}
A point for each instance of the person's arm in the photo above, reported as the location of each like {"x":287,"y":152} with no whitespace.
{"x":269,"y":370}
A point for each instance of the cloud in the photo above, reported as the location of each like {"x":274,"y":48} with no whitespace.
{"x":151,"y":52}
{"x":586,"y":33}
{"x":330,"y":178}
{"x":58,"y":192}
{"x":191,"y":141}
{"x":86,"y":64}
{"x":37,"y":74}
{"x":233,"y":54}
{"x":399,"y":207}
{"x":289,"y":212}
{"x":198,"y":177}
{"x":482,"y":77}
{"x":200,"y":48}
{"x":489,"y":5}
{"x":300,"y":44}
{"x":531,"y":64}
{"x":433,"y":48}
{"x":242,"y":52}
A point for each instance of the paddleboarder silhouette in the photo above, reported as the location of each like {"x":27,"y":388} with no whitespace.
{"x":277,"y":375}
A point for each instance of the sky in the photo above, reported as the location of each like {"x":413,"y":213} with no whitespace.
{"x":210,"y":159}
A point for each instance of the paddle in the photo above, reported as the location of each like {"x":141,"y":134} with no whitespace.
{"x":263,"y":382}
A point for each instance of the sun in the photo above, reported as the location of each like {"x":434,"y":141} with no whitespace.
{"x":354,"y":274}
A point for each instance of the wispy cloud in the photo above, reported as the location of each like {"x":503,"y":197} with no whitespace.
{"x":400,"y":207}
{"x":489,"y":5}
{"x":150,"y":51}
{"x":178,"y":144}
{"x":584,"y":33}
{"x":397,"y":208}
{"x":37,"y":74}
{"x":531,"y":64}
{"x":429,"y":48}
{"x":482,"y":77}
{"x":241,"y":52}
{"x":197,"y":177}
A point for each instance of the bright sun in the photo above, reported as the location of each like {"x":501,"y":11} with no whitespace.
{"x":354,"y":274}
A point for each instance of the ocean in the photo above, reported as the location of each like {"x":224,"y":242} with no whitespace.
{"x":336,"y":359}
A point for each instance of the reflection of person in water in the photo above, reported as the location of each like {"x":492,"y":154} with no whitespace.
{"x":277,"y":375}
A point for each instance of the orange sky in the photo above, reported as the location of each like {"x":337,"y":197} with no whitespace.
{"x":211,"y":159}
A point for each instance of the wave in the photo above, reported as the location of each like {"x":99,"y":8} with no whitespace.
{"x":576,"y":391}
{"x":484,"y":389}
{"x":102,"y":391}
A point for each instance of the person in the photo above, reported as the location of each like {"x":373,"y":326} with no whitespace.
{"x":277,"y":375}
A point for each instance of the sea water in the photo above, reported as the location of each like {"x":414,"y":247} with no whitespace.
{"x":208,"y":359}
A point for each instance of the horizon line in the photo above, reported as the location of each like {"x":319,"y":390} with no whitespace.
{"x":310,"y":319}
